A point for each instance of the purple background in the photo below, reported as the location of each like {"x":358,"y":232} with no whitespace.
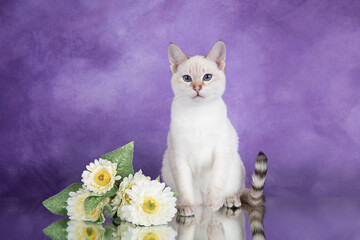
{"x":81,"y":78}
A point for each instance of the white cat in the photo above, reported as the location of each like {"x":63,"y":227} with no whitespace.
{"x":202,"y":162}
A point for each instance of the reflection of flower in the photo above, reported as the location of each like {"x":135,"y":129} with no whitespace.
{"x":150,"y":204}
{"x":75,"y":206}
{"x":119,"y":232}
{"x":131,"y":232}
{"x":78,"y":230}
{"x":122,"y":198}
{"x":111,"y":227}
{"x":100,"y":176}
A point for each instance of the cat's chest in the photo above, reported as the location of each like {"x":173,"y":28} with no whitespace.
{"x":197,"y":129}
{"x":196,"y":144}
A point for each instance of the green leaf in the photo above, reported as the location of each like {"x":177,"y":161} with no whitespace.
{"x":57,"y":230}
{"x":101,"y":218}
{"x":123,"y":156}
{"x":107,"y":209}
{"x":158,"y":178}
{"x":92,"y":202}
{"x":176,"y":194}
{"x":57,"y":203}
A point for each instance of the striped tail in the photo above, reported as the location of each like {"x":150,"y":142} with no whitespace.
{"x":255,"y":194}
{"x":256,"y":222}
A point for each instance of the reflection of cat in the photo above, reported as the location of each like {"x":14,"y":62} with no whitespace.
{"x":202,"y":162}
{"x":226,"y":224}
{"x":256,"y":218}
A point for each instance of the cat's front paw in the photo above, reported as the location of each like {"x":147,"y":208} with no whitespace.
{"x":186,"y":210}
{"x":232,"y":201}
{"x":214,"y":200}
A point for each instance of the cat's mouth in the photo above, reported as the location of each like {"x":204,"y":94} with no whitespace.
{"x":198,"y":96}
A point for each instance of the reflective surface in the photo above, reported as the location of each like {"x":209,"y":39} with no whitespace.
{"x":285,"y":218}
{"x":224,"y":224}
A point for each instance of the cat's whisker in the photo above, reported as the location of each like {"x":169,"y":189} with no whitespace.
{"x":169,"y":99}
{"x":231,"y":97}
{"x":162,"y":102}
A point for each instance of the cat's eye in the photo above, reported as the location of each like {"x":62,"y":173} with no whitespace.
{"x":207,"y":77}
{"x":187,"y":78}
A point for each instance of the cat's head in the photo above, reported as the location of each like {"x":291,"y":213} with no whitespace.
{"x":198,"y":78}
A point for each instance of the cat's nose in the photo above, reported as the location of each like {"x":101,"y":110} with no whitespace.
{"x":197,"y":89}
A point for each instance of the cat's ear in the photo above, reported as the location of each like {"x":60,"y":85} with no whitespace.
{"x":176,"y":57}
{"x":218,"y":54}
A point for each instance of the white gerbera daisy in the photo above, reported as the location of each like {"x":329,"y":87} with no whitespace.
{"x":133,"y":232}
{"x":75,"y":206}
{"x":122,"y":198}
{"x":100,"y":176}
{"x":150,"y":204}
{"x":81,"y":230}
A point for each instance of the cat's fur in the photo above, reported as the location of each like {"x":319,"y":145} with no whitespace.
{"x":202,"y":162}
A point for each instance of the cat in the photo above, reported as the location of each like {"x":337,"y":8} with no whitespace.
{"x":201,"y":161}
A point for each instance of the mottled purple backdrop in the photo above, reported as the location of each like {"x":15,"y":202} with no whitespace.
{"x":81,"y":78}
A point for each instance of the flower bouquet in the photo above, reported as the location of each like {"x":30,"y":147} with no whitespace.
{"x":110,"y":183}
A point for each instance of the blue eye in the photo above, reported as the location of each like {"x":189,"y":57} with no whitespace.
{"x":207,"y":77}
{"x":187,"y":78}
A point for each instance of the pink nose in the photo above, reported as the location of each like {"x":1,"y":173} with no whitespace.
{"x":197,"y":89}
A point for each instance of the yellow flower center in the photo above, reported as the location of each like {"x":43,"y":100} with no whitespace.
{"x":126,"y":196}
{"x":150,"y":205}
{"x":151,"y":236}
{"x":90,"y":232}
{"x":102,"y":178}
